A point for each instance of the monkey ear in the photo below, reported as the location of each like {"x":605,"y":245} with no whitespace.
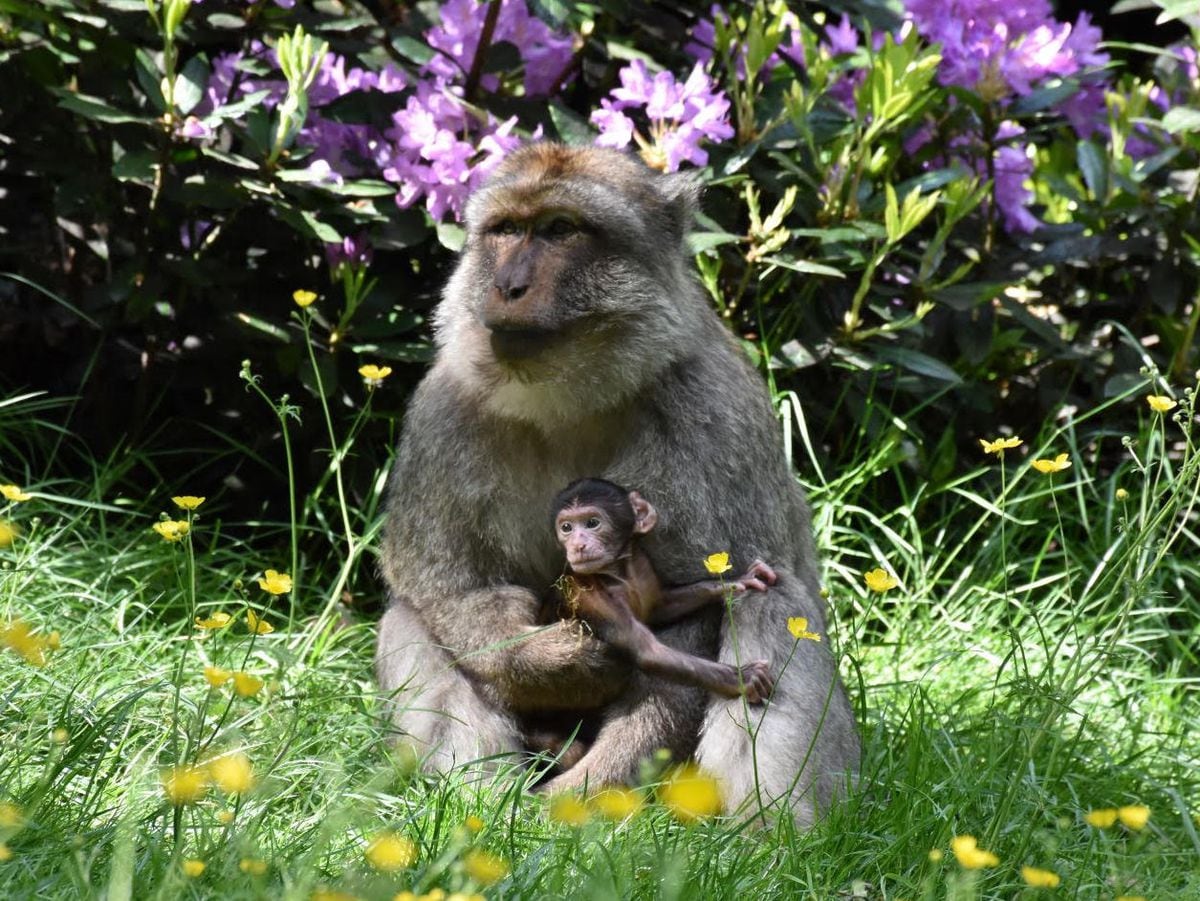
{"x":645,"y":517}
{"x":681,"y":191}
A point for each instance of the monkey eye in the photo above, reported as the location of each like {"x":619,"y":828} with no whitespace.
{"x":593,"y":522}
{"x":559,"y":227}
{"x":565,"y":527}
{"x":505,"y":227}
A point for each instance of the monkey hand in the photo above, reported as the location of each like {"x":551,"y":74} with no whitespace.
{"x":757,"y":578}
{"x":757,"y":681}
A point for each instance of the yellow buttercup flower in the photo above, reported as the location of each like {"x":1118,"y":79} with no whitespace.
{"x":5,"y":852}
{"x":717,"y":563}
{"x":247,"y":685}
{"x":252,"y":865}
{"x":474,"y":823}
{"x":60,"y":736}
{"x":8,"y":533}
{"x":257,"y":624}
{"x":1102,"y":818}
{"x":388,"y":851}
{"x":935,"y":855}
{"x":969,"y":855}
{"x":798,"y":626}
{"x":11,"y":816}
{"x":617,"y":803}
{"x":185,"y":784}
{"x":999,"y":445}
{"x":233,"y":773}
{"x":1122,"y":494}
{"x":1134,"y":816}
{"x":880,"y":579}
{"x":193,"y":868}
{"x":1046,"y":467}
{"x":188,"y":501}
{"x":374,"y":375}
{"x":225,"y":817}
{"x":216,"y":677}
{"x":14,"y":494}
{"x":690,"y":794}
{"x":214,"y":620}
{"x":18,"y":637}
{"x":1035,"y":878}
{"x":304,"y":298}
{"x":485,"y":868}
{"x":275,"y":583}
{"x":1159,"y":403}
{"x":171,"y":529}
{"x":568,"y":810}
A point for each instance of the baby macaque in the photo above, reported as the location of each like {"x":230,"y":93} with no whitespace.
{"x":613,"y":587}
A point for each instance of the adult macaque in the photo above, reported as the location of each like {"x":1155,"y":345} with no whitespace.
{"x":573,"y":339}
{"x":613,"y":587}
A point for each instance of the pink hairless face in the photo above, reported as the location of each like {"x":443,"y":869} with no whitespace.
{"x":589,"y":537}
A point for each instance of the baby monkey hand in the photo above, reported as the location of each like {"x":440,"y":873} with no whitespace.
{"x":757,"y":578}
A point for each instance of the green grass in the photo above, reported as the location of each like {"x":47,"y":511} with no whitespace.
{"x":1037,"y":660}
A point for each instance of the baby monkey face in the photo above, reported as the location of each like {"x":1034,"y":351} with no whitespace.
{"x":590,"y":537}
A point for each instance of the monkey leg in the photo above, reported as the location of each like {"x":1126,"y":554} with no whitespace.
{"x":431,"y":702}
{"x":805,"y":747}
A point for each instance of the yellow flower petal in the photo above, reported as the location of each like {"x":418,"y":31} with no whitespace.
{"x":1134,"y":816}
{"x":374,"y":375}
{"x":484,"y":868}
{"x":389,"y":851}
{"x":1101,"y":818}
{"x":1122,"y":494}
{"x":617,"y":803}
{"x":233,"y":773}
{"x":798,"y":626}
{"x":1036,"y":878}
{"x":275,"y":583}
{"x":304,"y":298}
{"x":880,"y":580}
{"x":11,"y":816}
{"x":969,"y":855}
{"x":1046,"y":467}
{"x":1000,"y":445}
{"x":246,"y":685}
{"x":185,"y":784}
{"x":214,"y":620}
{"x":1159,"y":403}
{"x":252,"y":866}
{"x":257,"y":624}
{"x":474,"y":823}
{"x":171,"y":529}
{"x":8,"y":533}
{"x":193,"y":868}
{"x":5,"y":852}
{"x":691,"y":794}
{"x":14,"y":494}
{"x":717,"y":563}
{"x":568,"y":810}
{"x":216,"y":677}
{"x":188,"y":501}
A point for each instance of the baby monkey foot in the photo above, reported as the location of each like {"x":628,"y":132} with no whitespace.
{"x":756,"y":677}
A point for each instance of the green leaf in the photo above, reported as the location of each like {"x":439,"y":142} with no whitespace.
{"x":1177,"y":9}
{"x":190,"y":83}
{"x":806,"y":266}
{"x":268,"y":328}
{"x":237,"y":109}
{"x":231,"y":159}
{"x":915,"y":361}
{"x":1181,"y":118}
{"x":698,"y":242}
{"x":307,"y":224}
{"x":95,"y":108}
{"x":137,"y":165}
{"x":570,"y":127}
{"x":226,"y":21}
{"x":969,"y":294}
{"x":1045,"y":98}
{"x":451,"y":236}
{"x":411,"y":49}
{"x":1093,"y":163}
{"x":149,"y":76}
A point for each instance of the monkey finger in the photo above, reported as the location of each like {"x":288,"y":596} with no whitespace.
{"x":764,"y":572}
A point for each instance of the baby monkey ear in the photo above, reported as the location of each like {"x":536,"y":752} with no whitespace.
{"x":645,"y":517}
{"x":681,"y":191}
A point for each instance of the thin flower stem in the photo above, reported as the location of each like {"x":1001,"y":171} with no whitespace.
{"x":334,"y":448}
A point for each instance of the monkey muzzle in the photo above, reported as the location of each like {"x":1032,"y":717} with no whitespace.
{"x":519,"y":343}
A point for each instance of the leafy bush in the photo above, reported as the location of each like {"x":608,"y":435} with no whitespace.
{"x":975,"y":211}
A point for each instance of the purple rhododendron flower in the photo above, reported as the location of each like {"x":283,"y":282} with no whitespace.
{"x":352,"y":251}
{"x":546,"y":53}
{"x":681,"y":116}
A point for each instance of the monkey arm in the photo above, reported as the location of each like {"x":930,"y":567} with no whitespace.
{"x":679,"y":601}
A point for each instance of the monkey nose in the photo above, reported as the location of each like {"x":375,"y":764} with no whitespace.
{"x":511,"y":285}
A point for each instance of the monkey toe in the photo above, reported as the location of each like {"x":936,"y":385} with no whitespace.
{"x":757,"y":678}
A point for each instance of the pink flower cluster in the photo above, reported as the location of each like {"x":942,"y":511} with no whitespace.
{"x":681,"y":116}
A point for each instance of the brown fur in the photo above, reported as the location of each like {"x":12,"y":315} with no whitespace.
{"x":643,"y":384}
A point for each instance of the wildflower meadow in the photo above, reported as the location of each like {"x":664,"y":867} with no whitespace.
{"x":960,"y":241}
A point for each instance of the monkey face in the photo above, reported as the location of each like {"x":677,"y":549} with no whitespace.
{"x":591,"y":539}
